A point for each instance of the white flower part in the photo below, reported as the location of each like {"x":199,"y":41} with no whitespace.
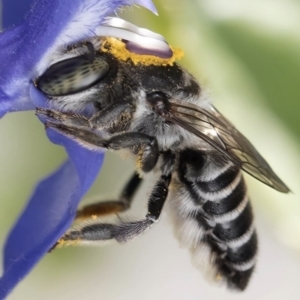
{"x":143,"y":42}
{"x":143,"y":39}
{"x":120,"y":23}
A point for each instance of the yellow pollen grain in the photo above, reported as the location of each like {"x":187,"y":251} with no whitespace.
{"x":64,"y":243}
{"x":139,"y":163}
{"x":118,"y":49}
{"x":60,"y":243}
{"x":219,"y":277}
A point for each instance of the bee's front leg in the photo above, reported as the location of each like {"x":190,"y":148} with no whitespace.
{"x":114,"y":118}
{"x":144,"y":146}
{"x":95,"y":133}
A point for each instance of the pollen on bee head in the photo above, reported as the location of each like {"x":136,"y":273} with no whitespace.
{"x":118,"y":49}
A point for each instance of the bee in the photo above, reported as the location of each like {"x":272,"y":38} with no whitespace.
{"x":106,"y":97}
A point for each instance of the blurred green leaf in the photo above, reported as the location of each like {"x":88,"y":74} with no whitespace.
{"x":273,"y":63}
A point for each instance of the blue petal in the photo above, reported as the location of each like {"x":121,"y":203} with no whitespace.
{"x":51,"y":209}
{"x":13,"y":11}
{"x":47,"y":216}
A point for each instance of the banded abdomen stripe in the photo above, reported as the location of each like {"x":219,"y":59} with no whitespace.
{"x":214,"y":216}
{"x":231,"y":233}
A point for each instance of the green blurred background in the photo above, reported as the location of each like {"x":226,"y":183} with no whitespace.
{"x":246,"y":53}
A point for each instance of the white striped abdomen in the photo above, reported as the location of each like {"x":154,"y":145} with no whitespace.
{"x":213,"y":216}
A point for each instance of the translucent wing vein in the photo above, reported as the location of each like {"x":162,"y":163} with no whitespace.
{"x":216,"y":130}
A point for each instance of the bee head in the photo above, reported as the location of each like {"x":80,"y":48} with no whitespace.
{"x":104,"y":71}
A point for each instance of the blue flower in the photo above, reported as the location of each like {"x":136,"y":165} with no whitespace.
{"x":26,"y":50}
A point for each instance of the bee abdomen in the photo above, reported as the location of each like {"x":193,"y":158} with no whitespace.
{"x":230,"y":232}
{"x":217,"y":223}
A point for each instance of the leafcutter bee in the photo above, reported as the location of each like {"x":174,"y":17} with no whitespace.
{"x":107,"y":98}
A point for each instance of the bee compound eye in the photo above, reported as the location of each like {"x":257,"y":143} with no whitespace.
{"x":72,"y":76}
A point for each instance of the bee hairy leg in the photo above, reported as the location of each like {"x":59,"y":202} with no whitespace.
{"x":121,"y":231}
{"x":114,"y":206}
{"x":68,"y":119}
{"x":87,"y":132}
{"x":111,"y":118}
{"x":84,"y":232}
{"x":141,"y":144}
{"x":93,"y":211}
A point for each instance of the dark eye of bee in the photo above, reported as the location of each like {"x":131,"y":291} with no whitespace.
{"x":72,"y":75}
{"x":159,"y":102}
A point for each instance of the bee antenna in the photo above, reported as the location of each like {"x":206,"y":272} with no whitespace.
{"x":90,"y":54}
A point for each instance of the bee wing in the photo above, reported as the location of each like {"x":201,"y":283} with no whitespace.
{"x":211,"y":126}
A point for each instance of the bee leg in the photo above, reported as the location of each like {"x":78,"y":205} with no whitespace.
{"x":141,"y":144}
{"x":113,"y":117}
{"x":82,"y":129}
{"x":66,"y":118}
{"x":93,"y":211}
{"x":144,"y":146}
{"x":114,"y":206}
{"x":125,"y":231}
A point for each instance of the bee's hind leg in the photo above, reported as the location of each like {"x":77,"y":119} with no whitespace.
{"x":114,"y":206}
{"x":122,"y":231}
{"x":89,"y":213}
